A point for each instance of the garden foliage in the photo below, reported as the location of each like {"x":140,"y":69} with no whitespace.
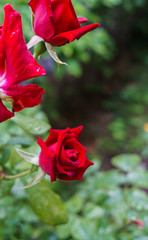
{"x":110,"y":62}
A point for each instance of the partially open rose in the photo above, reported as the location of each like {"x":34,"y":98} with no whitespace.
{"x":62,"y":155}
{"x":56,"y":22}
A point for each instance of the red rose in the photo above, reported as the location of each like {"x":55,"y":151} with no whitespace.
{"x":16,"y":65}
{"x":56,"y":22}
{"x":62,"y":155}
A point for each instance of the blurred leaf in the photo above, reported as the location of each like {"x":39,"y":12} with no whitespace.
{"x":21,"y":141}
{"x":64,"y":231}
{"x":126,"y":162}
{"x":47,"y":204}
{"x":93,"y":211}
{"x":75,"y":203}
{"x":94,"y":168}
{"x":5,"y":155}
{"x":109,"y":179}
{"x":84,"y":229}
{"x":31,"y":125}
{"x":138,"y":178}
{"x":138,"y":200}
{"x":6,"y":187}
{"x":14,"y":157}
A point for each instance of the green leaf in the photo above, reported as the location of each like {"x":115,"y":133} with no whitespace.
{"x":139,"y":178}
{"x":75,"y":203}
{"x":84,"y":229}
{"x":46,"y":204}
{"x":138,"y":200}
{"x":126,"y":162}
{"x":31,"y":125}
{"x":93,"y":211}
{"x":5,"y":155}
{"x":108,"y":179}
{"x":64,"y":231}
{"x":6,"y":187}
{"x":14,"y":158}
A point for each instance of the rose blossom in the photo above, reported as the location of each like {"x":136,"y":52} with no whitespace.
{"x":62,"y":156}
{"x":16,"y":65}
{"x":56,"y":22}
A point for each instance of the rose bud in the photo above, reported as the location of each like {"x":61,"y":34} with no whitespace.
{"x":16,"y":65}
{"x":56,"y":22}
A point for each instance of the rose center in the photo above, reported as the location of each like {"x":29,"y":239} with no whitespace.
{"x":71,"y":154}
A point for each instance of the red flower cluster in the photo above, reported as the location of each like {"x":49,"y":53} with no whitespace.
{"x":16,"y":65}
{"x":56,"y":21}
{"x":62,"y":155}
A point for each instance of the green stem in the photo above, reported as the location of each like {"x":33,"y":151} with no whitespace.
{"x":9,"y":177}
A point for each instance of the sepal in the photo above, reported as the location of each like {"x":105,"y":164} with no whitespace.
{"x":29,"y":157}
{"x":53,"y":54}
{"x":33,"y":41}
{"x":40,"y":175}
{"x":39,"y":49}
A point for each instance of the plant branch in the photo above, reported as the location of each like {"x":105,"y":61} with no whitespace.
{"x":9,"y":177}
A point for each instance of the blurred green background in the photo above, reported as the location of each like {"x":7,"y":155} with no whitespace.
{"x":105,"y":89}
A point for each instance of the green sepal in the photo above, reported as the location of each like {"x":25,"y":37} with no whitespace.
{"x":39,"y":49}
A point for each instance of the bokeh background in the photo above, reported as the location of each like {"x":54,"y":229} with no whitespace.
{"x":105,"y":89}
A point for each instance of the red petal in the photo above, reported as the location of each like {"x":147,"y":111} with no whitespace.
{"x":79,"y":173}
{"x":77,"y":131}
{"x":82,"y":20}
{"x":4,"y":113}
{"x":1,"y":27}
{"x":75,"y":145}
{"x":42,"y":145}
{"x":88,"y":163}
{"x":66,"y":162}
{"x":64,"y":16}
{"x":19,"y":63}
{"x":53,"y":136}
{"x":61,"y":137}
{"x":65,"y":37}
{"x":43,"y":21}
{"x":2,"y":56}
{"x":47,"y":160}
{"x":25,"y":96}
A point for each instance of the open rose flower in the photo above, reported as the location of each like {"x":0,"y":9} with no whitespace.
{"x":16,"y":65}
{"x":56,"y":22}
{"x":61,"y":156}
